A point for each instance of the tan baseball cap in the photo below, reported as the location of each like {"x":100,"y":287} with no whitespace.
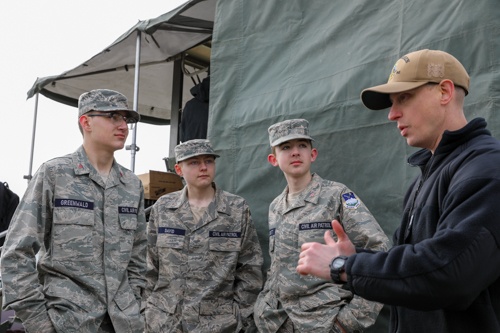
{"x":414,"y":70}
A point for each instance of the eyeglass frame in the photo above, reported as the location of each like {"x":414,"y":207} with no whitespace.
{"x":115,"y":120}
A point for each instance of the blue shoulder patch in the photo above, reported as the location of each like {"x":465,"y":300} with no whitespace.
{"x":350,"y":200}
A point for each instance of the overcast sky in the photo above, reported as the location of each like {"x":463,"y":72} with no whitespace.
{"x":47,"y":37}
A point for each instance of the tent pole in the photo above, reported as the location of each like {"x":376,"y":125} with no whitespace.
{"x":29,"y":176}
{"x":133,"y":147}
{"x":175,"y":115}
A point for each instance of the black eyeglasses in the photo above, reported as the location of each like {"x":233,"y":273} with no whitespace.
{"x":115,"y":117}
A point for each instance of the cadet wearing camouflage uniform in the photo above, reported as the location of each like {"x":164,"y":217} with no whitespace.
{"x":204,"y":257}
{"x":302,"y":213}
{"x":83,"y":214}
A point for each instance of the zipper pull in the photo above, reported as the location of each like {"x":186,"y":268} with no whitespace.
{"x":408,"y":227}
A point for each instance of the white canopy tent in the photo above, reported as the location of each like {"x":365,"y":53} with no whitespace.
{"x":148,"y":62}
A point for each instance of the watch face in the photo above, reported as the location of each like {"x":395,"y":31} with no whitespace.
{"x":337,"y":263}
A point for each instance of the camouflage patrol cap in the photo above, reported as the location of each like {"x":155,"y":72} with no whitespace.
{"x":105,"y":100}
{"x":288,"y":130}
{"x":193,"y":148}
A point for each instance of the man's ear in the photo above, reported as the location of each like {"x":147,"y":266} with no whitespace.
{"x":84,"y":123}
{"x":447,"y":88}
{"x":271,"y":158}
{"x":178,"y":169}
{"x":314,"y":154}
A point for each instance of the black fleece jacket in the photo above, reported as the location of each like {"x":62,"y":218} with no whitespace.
{"x":443,"y":273}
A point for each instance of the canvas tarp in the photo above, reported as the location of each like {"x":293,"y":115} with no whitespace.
{"x":277,"y":60}
{"x":311,"y":60}
{"x":162,"y":39}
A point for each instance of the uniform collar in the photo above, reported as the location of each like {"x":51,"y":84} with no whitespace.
{"x":82,"y":166}
{"x":309,"y":194}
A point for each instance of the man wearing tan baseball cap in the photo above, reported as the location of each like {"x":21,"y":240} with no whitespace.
{"x":415,"y":70}
{"x":443,"y":272}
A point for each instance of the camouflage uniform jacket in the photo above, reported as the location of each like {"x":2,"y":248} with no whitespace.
{"x":202,"y":276}
{"x":91,"y":242}
{"x":313,"y":304}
